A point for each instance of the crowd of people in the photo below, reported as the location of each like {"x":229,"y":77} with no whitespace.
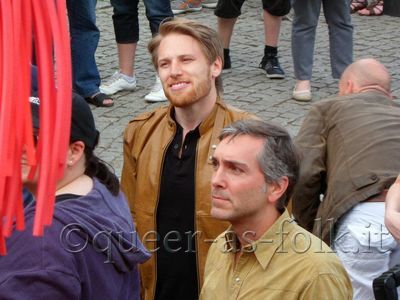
{"x":215,"y":203}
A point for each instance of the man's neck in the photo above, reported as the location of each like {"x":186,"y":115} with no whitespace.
{"x":254,"y":228}
{"x":373,"y":87}
{"x":191,"y":116}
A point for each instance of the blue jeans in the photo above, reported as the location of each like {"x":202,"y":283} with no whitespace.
{"x":125,"y":18}
{"x":84,"y":40}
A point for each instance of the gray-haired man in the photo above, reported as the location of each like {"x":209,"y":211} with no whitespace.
{"x":264,"y":254}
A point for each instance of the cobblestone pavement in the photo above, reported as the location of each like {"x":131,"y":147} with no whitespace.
{"x":245,"y":85}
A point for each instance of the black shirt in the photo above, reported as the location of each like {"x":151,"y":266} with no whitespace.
{"x":176,"y":256}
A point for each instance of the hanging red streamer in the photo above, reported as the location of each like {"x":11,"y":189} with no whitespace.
{"x":21,"y":22}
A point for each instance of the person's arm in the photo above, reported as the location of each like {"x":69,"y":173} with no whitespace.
{"x":328,"y":286}
{"x":392,"y":213}
{"x":38,"y":267}
{"x":39,"y":284}
{"x":312,"y":145}
{"x":128,"y":174}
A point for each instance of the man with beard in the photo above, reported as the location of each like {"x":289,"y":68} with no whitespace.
{"x":166,"y":172}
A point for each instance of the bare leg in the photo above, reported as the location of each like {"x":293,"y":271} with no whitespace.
{"x":225,"y":30}
{"x":272,"y":26}
{"x":126,"y":58}
{"x":303,"y":85}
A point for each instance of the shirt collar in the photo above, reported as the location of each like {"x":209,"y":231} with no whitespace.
{"x":273,"y":239}
{"x":206,"y":124}
{"x":267,"y":245}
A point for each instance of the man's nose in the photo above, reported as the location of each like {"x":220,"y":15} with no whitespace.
{"x":175,"y":68}
{"x":218,"y":178}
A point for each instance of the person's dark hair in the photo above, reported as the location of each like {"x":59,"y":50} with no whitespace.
{"x":95,"y":167}
{"x":83,"y":129}
{"x":279,"y":156}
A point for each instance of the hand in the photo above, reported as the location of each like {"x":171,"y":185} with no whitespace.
{"x":392,"y":212}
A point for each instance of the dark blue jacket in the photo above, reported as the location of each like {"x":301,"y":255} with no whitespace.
{"x":90,"y":251}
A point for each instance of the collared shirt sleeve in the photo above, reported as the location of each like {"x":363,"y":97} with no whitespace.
{"x":327,"y":286}
{"x":311,"y":141}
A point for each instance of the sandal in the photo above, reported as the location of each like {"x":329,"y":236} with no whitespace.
{"x":98,"y":100}
{"x":356,"y":5}
{"x":374,"y":9}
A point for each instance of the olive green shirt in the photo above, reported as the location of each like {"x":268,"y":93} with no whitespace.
{"x":287,"y":262}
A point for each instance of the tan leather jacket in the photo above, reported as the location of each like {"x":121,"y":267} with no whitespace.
{"x":351,"y":152}
{"x":146,"y":140}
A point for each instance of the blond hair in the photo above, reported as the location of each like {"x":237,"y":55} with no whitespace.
{"x":208,"y":39}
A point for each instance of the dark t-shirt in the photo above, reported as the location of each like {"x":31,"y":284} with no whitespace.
{"x":176,"y":257}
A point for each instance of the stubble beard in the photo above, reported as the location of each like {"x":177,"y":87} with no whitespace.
{"x":190,"y":97}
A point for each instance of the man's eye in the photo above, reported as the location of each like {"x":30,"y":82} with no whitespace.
{"x":236,"y":170}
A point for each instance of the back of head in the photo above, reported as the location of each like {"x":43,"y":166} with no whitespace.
{"x":207,"y":37}
{"x":367,"y":73}
{"x":279,"y":156}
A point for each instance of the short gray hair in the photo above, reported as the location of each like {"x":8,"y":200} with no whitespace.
{"x":279,"y":157}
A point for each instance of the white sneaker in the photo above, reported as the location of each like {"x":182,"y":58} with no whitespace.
{"x":157,"y":92}
{"x":209,"y":3}
{"x":118,"y":82}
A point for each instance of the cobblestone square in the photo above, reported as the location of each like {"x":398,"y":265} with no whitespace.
{"x":245,"y":85}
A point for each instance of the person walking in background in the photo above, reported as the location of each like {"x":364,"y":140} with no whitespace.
{"x":228,"y":12}
{"x":305,"y":20}
{"x":84,"y":40}
{"x":126,"y":28}
{"x":374,"y":8}
{"x":183,"y":6}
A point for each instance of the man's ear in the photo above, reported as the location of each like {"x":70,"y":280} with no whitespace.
{"x":75,"y":153}
{"x":216,"y":67}
{"x":349,"y":87}
{"x":277,"y":189}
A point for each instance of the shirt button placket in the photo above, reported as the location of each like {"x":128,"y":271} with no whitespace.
{"x":236,"y":286}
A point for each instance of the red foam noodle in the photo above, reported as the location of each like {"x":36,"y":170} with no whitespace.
{"x":62,"y":108}
{"x":46,"y":95}
{"x":6,"y":109}
{"x":48,"y":22}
